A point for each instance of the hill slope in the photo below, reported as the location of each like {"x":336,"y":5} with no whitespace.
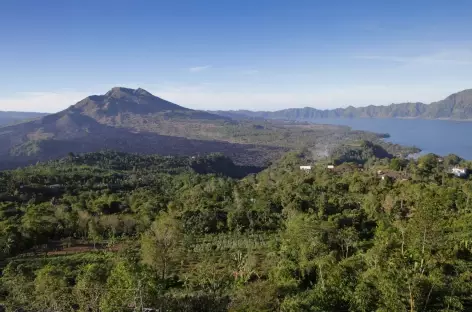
{"x":123,"y":119}
{"x":455,"y":106}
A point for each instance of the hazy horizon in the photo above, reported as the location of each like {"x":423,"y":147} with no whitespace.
{"x":39,"y":97}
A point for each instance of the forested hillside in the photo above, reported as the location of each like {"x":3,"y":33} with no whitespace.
{"x":456,"y":106}
{"x":122,"y":232}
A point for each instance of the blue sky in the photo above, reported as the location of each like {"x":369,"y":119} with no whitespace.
{"x":234,"y":54}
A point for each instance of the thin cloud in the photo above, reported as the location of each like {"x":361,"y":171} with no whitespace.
{"x":441,"y":58}
{"x":197,"y":69}
{"x":47,"y":102}
{"x":211,"y":97}
{"x":359,"y":95}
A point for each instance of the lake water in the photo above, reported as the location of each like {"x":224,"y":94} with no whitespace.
{"x":441,"y":137}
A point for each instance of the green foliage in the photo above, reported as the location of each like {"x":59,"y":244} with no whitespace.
{"x":90,"y":287}
{"x":118,"y":232}
{"x":398,"y":164}
{"x":360,"y":153}
{"x":160,"y":245}
{"x":122,"y":287}
{"x":51,"y":291}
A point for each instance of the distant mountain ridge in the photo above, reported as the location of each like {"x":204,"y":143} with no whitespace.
{"x":119,"y":101}
{"x":125,"y":120}
{"x":134,"y":120}
{"x":457,"y":106}
{"x":9,"y":117}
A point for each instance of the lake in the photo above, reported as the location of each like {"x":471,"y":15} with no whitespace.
{"x":441,"y":137}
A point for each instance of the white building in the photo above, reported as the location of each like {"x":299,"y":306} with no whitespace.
{"x":330,"y":166}
{"x":305,"y":167}
{"x":460,"y":172}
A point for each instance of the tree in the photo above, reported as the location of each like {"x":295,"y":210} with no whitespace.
{"x":51,"y":290}
{"x":427,"y":164}
{"x":18,"y":281}
{"x":398,"y":164}
{"x":90,"y":287}
{"x":10,"y":239}
{"x":161,"y":244}
{"x":258,"y":296}
{"x":304,"y":250}
{"x":347,"y":239}
{"x":94,"y":232}
{"x":122,"y":288}
{"x":452,"y":160}
{"x":204,"y":276}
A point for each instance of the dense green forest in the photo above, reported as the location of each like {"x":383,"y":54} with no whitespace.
{"x":457,"y":106}
{"x":112,"y":231}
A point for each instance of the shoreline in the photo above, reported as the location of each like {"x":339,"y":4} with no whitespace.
{"x":381,"y":136}
{"x":405,"y":118}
